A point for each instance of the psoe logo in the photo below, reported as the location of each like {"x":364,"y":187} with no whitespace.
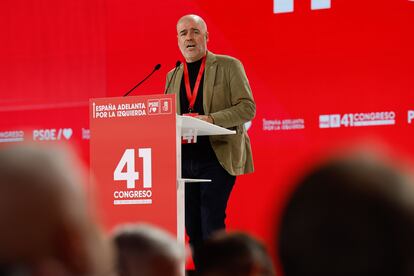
{"x":410,"y":116}
{"x":285,"y":6}
{"x":361,"y":119}
{"x":126,"y":171}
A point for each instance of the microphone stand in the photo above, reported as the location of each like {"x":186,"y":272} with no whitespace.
{"x":157,"y":67}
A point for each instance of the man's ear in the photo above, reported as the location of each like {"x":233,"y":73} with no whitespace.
{"x":207,"y":37}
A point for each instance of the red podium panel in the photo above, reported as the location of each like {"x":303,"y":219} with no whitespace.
{"x":133,"y":160}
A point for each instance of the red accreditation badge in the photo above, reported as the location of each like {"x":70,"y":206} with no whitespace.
{"x":192,"y":94}
{"x":190,"y":137}
{"x":193,"y":114}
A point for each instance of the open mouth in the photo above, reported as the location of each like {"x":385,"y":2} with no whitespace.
{"x":190,"y":46}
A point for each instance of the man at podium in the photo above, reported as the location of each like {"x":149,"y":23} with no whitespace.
{"x":213,"y":88}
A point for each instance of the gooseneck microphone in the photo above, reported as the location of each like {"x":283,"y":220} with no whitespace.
{"x":177,"y":64}
{"x":157,"y":67}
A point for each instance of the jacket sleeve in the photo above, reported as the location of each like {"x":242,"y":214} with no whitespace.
{"x":243,"y":107}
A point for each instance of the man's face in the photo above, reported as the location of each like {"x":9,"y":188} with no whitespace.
{"x":192,"y":39}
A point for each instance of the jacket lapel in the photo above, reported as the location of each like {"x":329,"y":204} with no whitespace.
{"x":209,"y":78}
{"x":177,"y":85}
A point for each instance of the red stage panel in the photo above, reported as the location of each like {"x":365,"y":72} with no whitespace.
{"x":133,"y":159}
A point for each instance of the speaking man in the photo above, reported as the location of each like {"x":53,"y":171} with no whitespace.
{"x":213,"y":88}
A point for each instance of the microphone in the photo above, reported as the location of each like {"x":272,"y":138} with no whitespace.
{"x":157,"y":67}
{"x":177,"y":64}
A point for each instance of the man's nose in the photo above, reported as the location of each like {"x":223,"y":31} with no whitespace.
{"x":189,"y":36}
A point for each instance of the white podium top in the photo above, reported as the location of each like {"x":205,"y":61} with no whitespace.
{"x":192,"y":180}
{"x":189,"y":124}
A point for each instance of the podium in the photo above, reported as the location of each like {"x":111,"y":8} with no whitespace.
{"x":135,"y":153}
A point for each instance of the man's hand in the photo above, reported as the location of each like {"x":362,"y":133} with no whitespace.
{"x":205,"y":118}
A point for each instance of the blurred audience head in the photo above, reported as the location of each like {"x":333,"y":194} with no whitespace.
{"x":46,"y":227}
{"x":353,"y":215}
{"x":144,"y":250}
{"x":231,"y":254}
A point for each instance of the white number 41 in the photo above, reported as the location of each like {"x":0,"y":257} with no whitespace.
{"x":130,"y":175}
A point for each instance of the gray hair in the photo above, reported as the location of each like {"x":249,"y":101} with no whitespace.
{"x":196,"y":18}
{"x":148,"y":240}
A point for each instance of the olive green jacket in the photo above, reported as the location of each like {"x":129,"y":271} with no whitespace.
{"x":228,"y":99}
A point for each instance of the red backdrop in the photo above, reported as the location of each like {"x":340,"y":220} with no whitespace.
{"x":350,"y":61}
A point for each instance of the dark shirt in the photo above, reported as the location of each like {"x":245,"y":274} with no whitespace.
{"x":201,"y":150}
